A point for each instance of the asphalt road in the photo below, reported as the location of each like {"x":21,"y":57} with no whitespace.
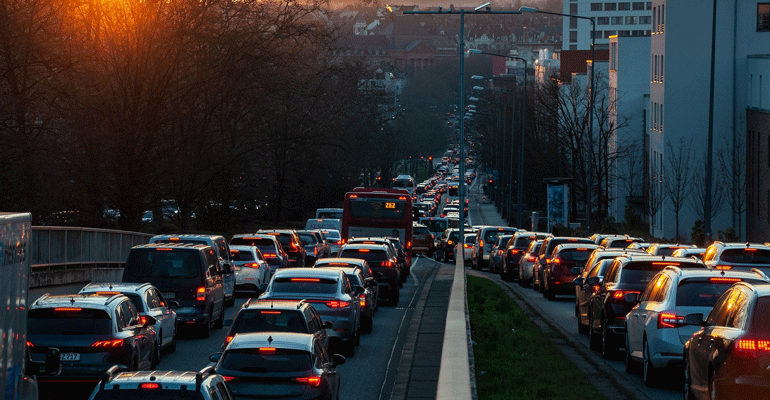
{"x":368,"y":375}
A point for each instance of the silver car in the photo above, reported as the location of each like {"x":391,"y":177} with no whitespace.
{"x":329,"y":291}
{"x":251,"y":268}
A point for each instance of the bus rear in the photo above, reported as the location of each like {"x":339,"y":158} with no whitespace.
{"x":378,"y":212}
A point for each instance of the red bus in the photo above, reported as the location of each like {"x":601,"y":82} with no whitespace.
{"x":378,"y":212}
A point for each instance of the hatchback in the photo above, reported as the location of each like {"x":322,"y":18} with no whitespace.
{"x":189,"y":385}
{"x":496,"y":253}
{"x":514,"y":250}
{"x":291,"y":244}
{"x":329,"y":292}
{"x":251,"y":268}
{"x":271,"y":249}
{"x":527,"y":262}
{"x":729,"y":356}
{"x":564,"y":265}
{"x":279,"y":365}
{"x":728,"y":256}
{"x":655,"y":329}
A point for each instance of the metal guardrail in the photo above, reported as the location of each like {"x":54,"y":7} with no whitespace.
{"x":61,"y":246}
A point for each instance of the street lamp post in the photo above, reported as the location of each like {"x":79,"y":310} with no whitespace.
{"x":590,"y":106}
{"x":522,"y":122}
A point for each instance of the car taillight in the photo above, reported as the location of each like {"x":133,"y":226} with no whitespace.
{"x":387,"y":264}
{"x":337,"y":304}
{"x":531,"y":259}
{"x":252,"y":265}
{"x":556,"y":261}
{"x":618,"y":295}
{"x":200,"y":294}
{"x":723,"y":267}
{"x":229,"y":338}
{"x":108,"y":343}
{"x":670,"y":320}
{"x":30,"y":344}
{"x":149,"y":385}
{"x":449,"y":242}
{"x":228,"y":378}
{"x":313,"y":381}
{"x":362,"y":300}
{"x":748,"y":347}
{"x":467,"y":246}
{"x":481,"y":244}
{"x":269,"y":255}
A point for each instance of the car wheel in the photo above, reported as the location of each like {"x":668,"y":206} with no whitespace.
{"x":594,"y":340}
{"x":357,"y":336}
{"x":631,"y":365}
{"x":205,"y":328}
{"x":608,"y":342}
{"x":155,"y":357}
{"x":582,"y":328}
{"x":541,"y":283}
{"x":649,"y":372}
{"x":172,"y":346}
{"x":220,"y":322}
{"x":688,"y":394}
{"x":551,"y":295}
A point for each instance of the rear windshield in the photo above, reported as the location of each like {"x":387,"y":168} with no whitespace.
{"x":575,"y":254}
{"x":436,"y":225}
{"x":242,"y":255}
{"x":621,"y":244}
{"x":272,"y":360}
{"x":703,"y":292}
{"x":303,"y":285}
{"x":269,"y":321}
{"x":522,"y":242}
{"x":557,"y":241}
{"x":144,"y":394}
{"x":420,"y":230}
{"x":491,"y":235}
{"x":162,"y":263}
{"x":251,"y":241}
{"x":285,"y":240}
{"x":308,"y":238}
{"x":746,"y":256}
{"x":642,"y":271}
{"x":370,"y":256}
{"x":74,"y":321}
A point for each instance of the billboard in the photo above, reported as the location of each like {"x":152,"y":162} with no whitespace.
{"x":558,"y":205}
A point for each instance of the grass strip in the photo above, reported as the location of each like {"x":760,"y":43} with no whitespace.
{"x":514,"y":359}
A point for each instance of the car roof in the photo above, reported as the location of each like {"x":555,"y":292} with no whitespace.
{"x":116,"y":287}
{"x":303,"y":272}
{"x":346,"y":260}
{"x":244,"y":247}
{"x":684,"y":273}
{"x":280,"y":340}
{"x":81,"y":300}
{"x":170,"y":380}
{"x":281,"y":304}
{"x":187,"y":235}
{"x":372,"y":246}
{"x":179,"y":246}
{"x":586,"y":246}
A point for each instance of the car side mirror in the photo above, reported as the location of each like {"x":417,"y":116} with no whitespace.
{"x":631,"y":298}
{"x":694,"y":319}
{"x":328,"y":325}
{"x":337,"y":360}
{"x":578,"y":281}
{"x":215,"y":357}
{"x":593,"y":281}
{"x":575,"y":270}
{"x":173,"y":304}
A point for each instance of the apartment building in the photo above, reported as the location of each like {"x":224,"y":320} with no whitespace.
{"x":613,"y":18}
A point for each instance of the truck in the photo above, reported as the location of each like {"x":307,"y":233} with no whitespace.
{"x":17,"y":380}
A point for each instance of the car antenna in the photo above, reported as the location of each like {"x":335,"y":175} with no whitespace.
{"x":270,"y":340}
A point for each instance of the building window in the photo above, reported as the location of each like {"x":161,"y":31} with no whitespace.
{"x":637,"y":33}
{"x":572,"y":36}
{"x":637,"y":6}
{"x":601,"y":20}
{"x":624,"y":33}
{"x":594,"y":7}
{"x":607,"y":34}
{"x":649,"y":5}
{"x":573,"y":23}
{"x":616,"y":20}
{"x":632,"y":20}
{"x":644,"y":20}
{"x":660,"y":78}
{"x":624,"y":6}
{"x":573,"y":9}
{"x":763,"y":17}
{"x":610,"y":6}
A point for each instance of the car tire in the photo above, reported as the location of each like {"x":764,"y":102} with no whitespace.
{"x":172,"y":346}
{"x":220,"y":322}
{"x":594,"y":339}
{"x":631,"y":365}
{"x":395,"y":297}
{"x":609,"y":348}
{"x":155,"y":357}
{"x":205,"y":328}
{"x":581,"y":328}
{"x":688,"y":394}
{"x":231,"y":302}
{"x":550,"y":295}
{"x":650,"y":374}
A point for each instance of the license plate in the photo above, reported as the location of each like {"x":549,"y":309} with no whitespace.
{"x":169,"y":295}
{"x":69,"y":357}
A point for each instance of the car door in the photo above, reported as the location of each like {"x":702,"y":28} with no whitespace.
{"x":637,"y":319}
{"x":324,"y":362}
{"x":214,"y":284}
{"x":143,"y":335}
{"x":164,"y":316}
{"x":702,"y":342}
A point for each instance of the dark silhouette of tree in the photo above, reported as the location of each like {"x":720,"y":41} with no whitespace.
{"x":679,"y":177}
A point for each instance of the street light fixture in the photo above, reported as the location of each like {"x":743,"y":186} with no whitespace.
{"x":590,"y":105}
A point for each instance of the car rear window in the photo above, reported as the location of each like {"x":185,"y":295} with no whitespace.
{"x":668,"y":251}
{"x":251,"y":241}
{"x":703,"y":292}
{"x":267,"y":359}
{"x":621,"y":244}
{"x":575,"y":254}
{"x":308,"y":238}
{"x":269,"y":321}
{"x":242,"y":255}
{"x":308,"y":285}
{"x":69,"y":321}
{"x":491,"y":235}
{"x":161,"y":263}
{"x":370,"y":255}
{"x":522,"y":242}
{"x":746,"y":256}
{"x":420,"y":230}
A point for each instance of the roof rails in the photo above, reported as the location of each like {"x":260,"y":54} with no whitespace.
{"x":760,"y":273}
{"x":108,"y":375}
{"x":202,"y":374}
{"x":674,"y":268}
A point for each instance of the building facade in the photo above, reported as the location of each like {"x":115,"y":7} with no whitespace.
{"x":612,"y":18}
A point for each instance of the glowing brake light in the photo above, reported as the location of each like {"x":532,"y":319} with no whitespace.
{"x":337,"y":304}
{"x":108,"y":293}
{"x":252,"y":265}
{"x":149,"y":385}
{"x":305,"y":279}
{"x":267,"y":349}
{"x":108,"y":343}
{"x":467,"y":246}
{"x":228,"y":378}
{"x":269,"y":255}
{"x":556,"y":260}
{"x":363,"y":250}
{"x":531,"y":259}
{"x":67,"y":309}
{"x":164,"y":249}
{"x":724,"y":280}
{"x":30,"y":344}
{"x":200,"y":294}
{"x":723,"y":267}
{"x":670,"y":320}
{"x":362,"y":300}
{"x":620,"y":294}
{"x":229,"y":339}
{"x":269,"y":312}
{"x":314,"y":381}
{"x":751,"y":347}
{"x":666,"y":263}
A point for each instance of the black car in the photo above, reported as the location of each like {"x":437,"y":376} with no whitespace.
{"x":514,"y":250}
{"x":291,"y":244}
{"x":445,"y":250}
{"x":93,"y":333}
{"x":382,"y":261}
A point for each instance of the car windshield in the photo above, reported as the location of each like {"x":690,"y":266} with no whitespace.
{"x":267,"y":359}
{"x":703,"y":292}
{"x":69,"y":321}
{"x":269,"y":321}
{"x":746,"y":256}
{"x":242,"y":255}
{"x":303,"y":285}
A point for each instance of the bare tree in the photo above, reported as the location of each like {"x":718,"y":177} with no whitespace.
{"x":732,"y":163}
{"x":679,"y":177}
{"x":697,"y":201}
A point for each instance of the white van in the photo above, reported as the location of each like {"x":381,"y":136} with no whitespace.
{"x":405,"y":182}
{"x":323,"y":224}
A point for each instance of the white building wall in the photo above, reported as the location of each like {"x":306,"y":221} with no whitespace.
{"x":610,"y":20}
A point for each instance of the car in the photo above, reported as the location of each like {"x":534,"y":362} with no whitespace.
{"x":315,"y":245}
{"x":655,"y":329}
{"x":619,"y":241}
{"x":291,"y":244}
{"x":279,"y":364}
{"x":727,"y":256}
{"x":271,"y":249}
{"x":297,"y":316}
{"x":470,"y":238}
{"x":205,"y":384}
{"x":422,"y":240}
{"x":486,"y":237}
{"x":185,"y":273}
{"x":445,"y":250}
{"x":368,"y":299}
{"x":436,"y":225}
{"x":251,"y":268}
{"x":666,"y":249}
{"x":330,"y":293}
{"x":564,"y":265}
{"x":608,"y":305}
{"x":546,"y":250}
{"x":334,"y":238}
{"x":404,"y":258}
{"x":382,"y":260}
{"x":696,"y":252}
{"x":514,"y":250}
{"x":496,"y":253}
{"x":728,"y":356}
{"x":527,"y":262}
{"x":219,"y":244}
{"x":366,"y":271}
{"x":148,"y":301}
{"x":94,"y":332}
{"x":396,"y":248}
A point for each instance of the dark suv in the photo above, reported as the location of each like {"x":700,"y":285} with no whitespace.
{"x":546,"y":250}
{"x":380,"y":259}
{"x":185,"y":273}
{"x":279,"y":316}
{"x":291,"y":244}
{"x":93,"y":333}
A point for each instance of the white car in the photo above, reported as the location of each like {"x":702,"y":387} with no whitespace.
{"x":251,"y":269}
{"x":468,"y":247}
{"x":655,"y":328}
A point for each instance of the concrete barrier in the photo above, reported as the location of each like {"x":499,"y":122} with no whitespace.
{"x":52,"y":277}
